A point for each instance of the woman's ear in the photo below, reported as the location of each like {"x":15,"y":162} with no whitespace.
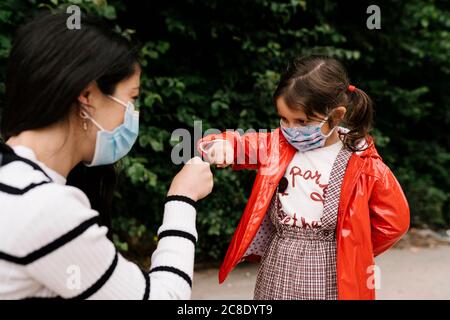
{"x":85,"y":97}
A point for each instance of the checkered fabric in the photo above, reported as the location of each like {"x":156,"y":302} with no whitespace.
{"x":300,"y":264}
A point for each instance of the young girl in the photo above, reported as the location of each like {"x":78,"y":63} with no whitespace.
{"x":323,"y":204}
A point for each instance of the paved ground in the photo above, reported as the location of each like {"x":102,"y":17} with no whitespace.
{"x":412,"y":273}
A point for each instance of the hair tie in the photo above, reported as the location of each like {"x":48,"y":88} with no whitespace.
{"x":351,"y":88}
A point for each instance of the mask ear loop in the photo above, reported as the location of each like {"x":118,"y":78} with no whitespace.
{"x":128,"y":106}
{"x":118,"y":101}
{"x":85,"y":115}
{"x":326,"y":120}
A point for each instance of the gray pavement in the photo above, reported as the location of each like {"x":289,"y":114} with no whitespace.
{"x":410,"y":273}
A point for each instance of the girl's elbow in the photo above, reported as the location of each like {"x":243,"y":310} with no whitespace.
{"x":405,"y":220}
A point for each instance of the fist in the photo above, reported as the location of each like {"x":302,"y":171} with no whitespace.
{"x":194,"y":180}
{"x":219,"y":152}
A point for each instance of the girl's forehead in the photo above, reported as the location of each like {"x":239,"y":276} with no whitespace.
{"x":295,"y":113}
{"x":285,"y":111}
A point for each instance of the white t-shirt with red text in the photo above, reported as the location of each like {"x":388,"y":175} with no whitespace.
{"x":307,"y":180}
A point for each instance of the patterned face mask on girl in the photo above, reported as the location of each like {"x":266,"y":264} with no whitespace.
{"x":110,"y":146}
{"x":305,"y":138}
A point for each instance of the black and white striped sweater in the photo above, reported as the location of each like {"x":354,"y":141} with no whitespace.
{"x":51,"y":245}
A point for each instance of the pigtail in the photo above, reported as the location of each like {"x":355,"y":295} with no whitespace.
{"x":358,"y":119}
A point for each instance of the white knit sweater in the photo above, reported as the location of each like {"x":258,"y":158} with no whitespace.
{"x":51,"y":245}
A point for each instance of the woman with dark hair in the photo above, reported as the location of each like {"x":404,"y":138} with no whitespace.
{"x":69,"y":115}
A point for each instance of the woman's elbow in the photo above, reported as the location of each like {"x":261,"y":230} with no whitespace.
{"x":159,"y":290}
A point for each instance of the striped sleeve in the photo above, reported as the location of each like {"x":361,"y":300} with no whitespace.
{"x":81,"y":262}
{"x":172,"y":267}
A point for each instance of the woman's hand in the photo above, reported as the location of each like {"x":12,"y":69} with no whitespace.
{"x":220,"y":153}
{"x":194,"y":180}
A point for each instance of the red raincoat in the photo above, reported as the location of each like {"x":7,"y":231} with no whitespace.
{"x":373,"y":212}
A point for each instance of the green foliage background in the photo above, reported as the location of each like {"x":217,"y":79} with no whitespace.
{"x":218,"y":61}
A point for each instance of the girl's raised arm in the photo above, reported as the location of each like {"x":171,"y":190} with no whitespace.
{"x":242,"y":152}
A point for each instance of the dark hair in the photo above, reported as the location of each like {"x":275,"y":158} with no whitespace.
{"x":317,"y":84}
{"x":48,"y":67}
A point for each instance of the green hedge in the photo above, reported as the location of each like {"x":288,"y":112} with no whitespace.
{"x":218,"y":61}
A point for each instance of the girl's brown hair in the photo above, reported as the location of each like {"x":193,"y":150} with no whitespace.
{"x":318,"y":84}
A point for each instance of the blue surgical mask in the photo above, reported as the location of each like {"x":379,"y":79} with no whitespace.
{"x":111,"y":146}
{"x":307,"y":137}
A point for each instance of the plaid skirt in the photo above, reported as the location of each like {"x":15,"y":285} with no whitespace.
{"x":300,"y":264}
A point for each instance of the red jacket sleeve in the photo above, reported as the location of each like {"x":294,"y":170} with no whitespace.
{"x":389,"y":213}
{"x":248,"y":148}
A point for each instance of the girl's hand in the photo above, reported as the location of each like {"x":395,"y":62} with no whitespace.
{"x":194,"y":181}
{"x":219,"y":152}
